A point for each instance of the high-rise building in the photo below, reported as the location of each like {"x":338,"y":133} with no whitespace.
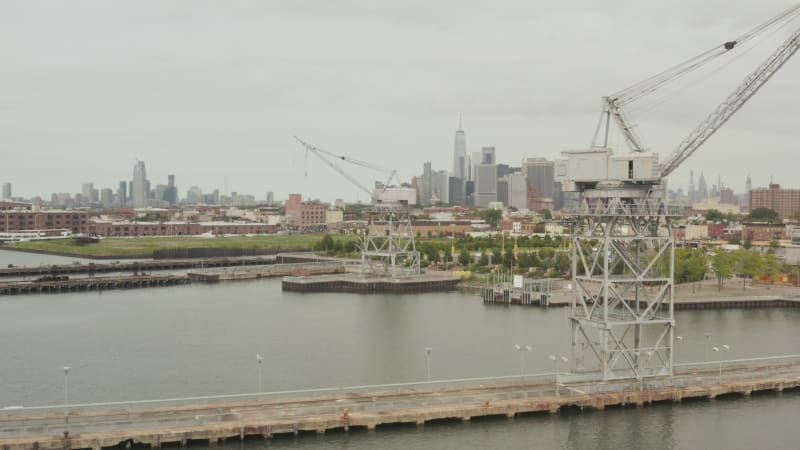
{"x":748,"y":187}
{"x":122,"y":194}
{"x":86,"y":191}
{"x":786,"y":202}
{"x":691,"y":193}
{"x":270,"y":198}
{"x":6,"y":191}
{"x":170,"y":193}
{"x":460,"y":153}
{"x":485,"y":184}
{"x":488,"y":155}
{"x":107,"y":198}
{"x":441,"y":186}
{"x":518,"y":190}
{"x":456,"y":191}
{"x":540,"y":175}
{"x":702,"y":190}
{"x":426,"y":183}
{"x":140,"y":189}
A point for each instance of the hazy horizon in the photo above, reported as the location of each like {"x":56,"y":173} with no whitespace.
{"x":209,"y":91}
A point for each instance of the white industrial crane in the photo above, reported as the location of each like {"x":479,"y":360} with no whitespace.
{"x":329,"y":158}
{"x":623,"y":248}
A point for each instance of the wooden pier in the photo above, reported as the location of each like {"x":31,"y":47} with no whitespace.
{"x":90,"y":284}
{"x":209,"y":423}
{"x":150,"y":265}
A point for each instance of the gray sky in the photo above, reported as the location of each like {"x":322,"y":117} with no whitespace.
{"x":209,"y":90}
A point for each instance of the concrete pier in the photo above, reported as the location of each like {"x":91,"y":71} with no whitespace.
{"x":211,"y":422}
{"x":352,"y":282}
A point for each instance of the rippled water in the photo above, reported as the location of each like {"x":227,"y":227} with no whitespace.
{"x":202,"y":339}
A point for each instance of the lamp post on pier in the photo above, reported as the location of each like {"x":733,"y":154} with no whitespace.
{"x":259,"y":360}
{"x":719,"y":351}
{"x":521,"y":349}
{"x":428,"y":350}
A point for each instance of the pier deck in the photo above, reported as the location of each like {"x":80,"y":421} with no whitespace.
{"x":355,"y":408}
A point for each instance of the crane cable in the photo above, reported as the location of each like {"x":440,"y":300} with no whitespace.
{"x":653,"y":83}
{"x":672,"y":96}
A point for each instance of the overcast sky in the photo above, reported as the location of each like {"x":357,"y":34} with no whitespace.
{"x":214,"y":90}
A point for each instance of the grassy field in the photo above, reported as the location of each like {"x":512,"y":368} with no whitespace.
{"x":144,"y":246}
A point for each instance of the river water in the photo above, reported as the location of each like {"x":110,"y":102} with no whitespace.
{"x":202,"y":340}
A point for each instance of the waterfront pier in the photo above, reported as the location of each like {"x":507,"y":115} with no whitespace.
{"x":209,"y":420}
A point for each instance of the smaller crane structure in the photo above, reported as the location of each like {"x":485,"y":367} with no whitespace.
{"x":622,"y":247}
{"x":390,"y":252}
{"x":330,"y":159}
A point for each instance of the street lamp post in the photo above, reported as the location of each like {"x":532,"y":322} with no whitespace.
{"x":557,"y":360}
{"x":66,"y":385}
{"x":66,"y":398}
{"x":719,"y":351}
{"x":522,"y":349}
{"x":259,"y":360}
{"x":428,"y":350}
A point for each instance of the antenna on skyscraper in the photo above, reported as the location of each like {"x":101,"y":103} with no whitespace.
{"x":459,"y":123}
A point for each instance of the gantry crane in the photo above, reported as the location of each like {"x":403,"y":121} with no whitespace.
{"x":623,"y":248}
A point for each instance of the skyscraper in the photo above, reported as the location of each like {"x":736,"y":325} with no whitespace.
{"x":485,"y":184}
{"x":122,"y":194}
{"x":460,"y":154}
{"x":487,"y":155}
{"x":691,"y":192}
{"x":702,"y":189}
{"x":6,"y":191}
{"x":139,"y":188}
{"x":540,"y":175}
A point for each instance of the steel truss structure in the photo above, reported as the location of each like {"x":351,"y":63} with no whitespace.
{"x":623,"y":256}
{"x":390,"y":251}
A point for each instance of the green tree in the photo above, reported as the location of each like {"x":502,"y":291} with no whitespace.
{"x":714,"y":215}
{"x":464,"y":258}
{"x":735,"y":240}
{"x":764,"y":215}
{"x":546,"y":214}
{"x":508,"y":259}
{"x":721,"y":265}
{"x":771,"y":267}
{"x":492,"y":216}
{"x":448,"y":257}
{"x":562,"y":263}
{"x":483,"y":261}
{"x":326,"y":243}
{"x":749,"y":263}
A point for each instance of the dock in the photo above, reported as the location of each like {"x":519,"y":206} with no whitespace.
{"x":152,"y":265}
{"x":357,"y":283}
{"x":209,"y":421}
{"x":90,"y":284}
{"x":271,"y":271}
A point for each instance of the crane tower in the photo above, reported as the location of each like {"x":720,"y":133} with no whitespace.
{"x":623,"y":250}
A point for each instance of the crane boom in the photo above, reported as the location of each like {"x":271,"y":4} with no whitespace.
{"x":751,"y":84}
{"x":326,"y":157}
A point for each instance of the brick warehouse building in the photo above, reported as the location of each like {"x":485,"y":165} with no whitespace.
{"x":27,"y":220}
{"x":303,"y":214}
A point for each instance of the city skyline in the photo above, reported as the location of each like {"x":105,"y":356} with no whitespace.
{"x":225,"y":105}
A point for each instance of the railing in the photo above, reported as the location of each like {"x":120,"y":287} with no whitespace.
{"x":404,"y":387}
